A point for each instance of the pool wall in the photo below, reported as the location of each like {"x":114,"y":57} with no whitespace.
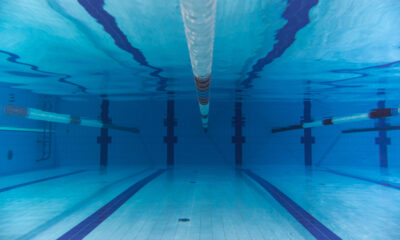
{"x":78,"y":145}
{"x":21,"y":151}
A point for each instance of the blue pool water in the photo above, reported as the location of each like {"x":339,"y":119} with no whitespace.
{"x":212,"y":119}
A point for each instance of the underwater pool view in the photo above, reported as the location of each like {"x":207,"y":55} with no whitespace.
{"x":199,"y":119}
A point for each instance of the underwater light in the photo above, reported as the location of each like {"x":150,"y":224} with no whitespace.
{"x":199,"y":21}
{"x":373,"y":114}
{"x":37,"y":114}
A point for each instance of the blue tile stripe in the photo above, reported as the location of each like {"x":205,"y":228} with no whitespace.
{"x":297,"y":14}
{"x":12,"y":57}
{"x":382,"y":183}
{"x":316,"y":228}
{"x":40,"y":180}
{"x":90,"y":223}
{"x":96,"y":9}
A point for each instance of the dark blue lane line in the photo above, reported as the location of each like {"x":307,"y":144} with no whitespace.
{"x":382,"y":183}
{"x":25,"y":74}
{"x":95,"y":8}
{"x":40,"y":180}
{"x":297,"y":16}
{"x":335,"y":84}
{"x":12,"y":57}
{"x":358,"y":72}
{"x":54,"y":5}
{"x":82,"y":27}
{"x":64,"y":80}
{"x":90,"y":223}
{"x":78,"y":206}
{"x":316,"y":228}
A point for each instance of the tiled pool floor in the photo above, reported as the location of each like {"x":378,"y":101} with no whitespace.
{"x":198,"y":203}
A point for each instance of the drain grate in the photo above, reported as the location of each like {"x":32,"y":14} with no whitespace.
{"x":183,"y":220}
{"x":192,"y":182}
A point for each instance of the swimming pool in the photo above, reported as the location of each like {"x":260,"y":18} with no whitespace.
{"x":214,"y":119}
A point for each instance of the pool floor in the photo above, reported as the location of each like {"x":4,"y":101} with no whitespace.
{"x":189,"y":202}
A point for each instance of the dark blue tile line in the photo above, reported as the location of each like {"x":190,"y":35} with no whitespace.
{"x":335,"y":84}
{"x":25,"y":74}
{"x":84,"y":203}
{"x":14,"y":59}
{"x":297,"y":16}
{"x":54,"y":5}
{"x":83,"y":28}
{"x":358,"y":73}
{"x":90,"y":223}
{"x":383,"y":183}
{"x":40,"y":180}
{"x":316,"y":228}
{"x":95,"y":8}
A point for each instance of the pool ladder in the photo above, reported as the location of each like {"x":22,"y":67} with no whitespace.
{"x":45,"y":138}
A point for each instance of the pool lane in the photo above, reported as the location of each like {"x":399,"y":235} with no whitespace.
{"x":78,"y":206}
{"x":351,"y":208}
{"x":40,"y":180}
{"x":90,"y":223}
{"x":29,"y":176}
{"x":212,"y":203}
{"x":315,"y":227}
{"x":366,"y":179}
{"x":47,"y":209}
{"x":200,"y":203}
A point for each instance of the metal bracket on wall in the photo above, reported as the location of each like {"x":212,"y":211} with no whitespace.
{"x":104,"y":139}
{"x":170,"y":122}
{"x":382,"y":140}
{"x":308,"y":140}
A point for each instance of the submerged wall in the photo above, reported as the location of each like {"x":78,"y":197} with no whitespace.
{"x":197,"y":147}
{"x":76,"y":145}
{"x":21,"y":151}
{"x":331,"y":147}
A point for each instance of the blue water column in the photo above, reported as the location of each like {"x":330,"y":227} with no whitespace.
{"x":308,"y":140}
{"x":104,"y":139}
